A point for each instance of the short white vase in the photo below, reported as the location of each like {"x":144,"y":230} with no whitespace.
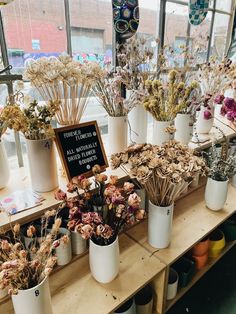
{"x":160,"y":135}
{"x":216,"y":194}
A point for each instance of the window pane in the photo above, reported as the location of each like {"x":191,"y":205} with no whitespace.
{"x":34,"y":29}
{"x":176,"y":27}
{"x":200,"y":37}
{"x":224,"y":5}
{"x":219,"y":35}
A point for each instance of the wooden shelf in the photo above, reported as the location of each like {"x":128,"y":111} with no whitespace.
{"x":74,"y":290}
{"x":192,"y":222}
{"x":199,"y":275}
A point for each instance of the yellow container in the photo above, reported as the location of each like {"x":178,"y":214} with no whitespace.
{"x":217,"y":243}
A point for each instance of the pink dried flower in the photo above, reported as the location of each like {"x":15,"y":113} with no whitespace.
{"x":31,"y":231}
{"x":128,"y":187}
{"x":16,"y":228}
{"x":134,"y":200}
{"x":60,"y":195}
{"x":56,"y":244}
{"x":219,"y":99}
{"x":86,"y":231}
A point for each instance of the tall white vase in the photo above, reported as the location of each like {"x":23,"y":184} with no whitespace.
{"x":36,"y":300}
{"x":203,"y":126}
{"x":159,"y":225}
{"x":160,"y":136}
{"x":216,"y":194}
{"x":183,"y":129}
{"x":138,"y":125}
{"x":4,"y":167}
{"x":42,"y":165}
{"x":117,"y":134}
{"x":104,"y":261}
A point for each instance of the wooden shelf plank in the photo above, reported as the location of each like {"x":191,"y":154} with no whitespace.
{"x":199,"y":275}
{"x":192,"y":222}
{"x":74,"y":290}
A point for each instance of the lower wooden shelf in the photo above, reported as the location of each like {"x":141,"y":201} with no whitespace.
{"x":199,"y":275}
{"x":74,"y":290}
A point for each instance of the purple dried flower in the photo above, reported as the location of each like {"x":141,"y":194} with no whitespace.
{"x":219,"y":99}
{"x":229,"y":103}
{"x":223,"y":111}
{"x":207,"y":115}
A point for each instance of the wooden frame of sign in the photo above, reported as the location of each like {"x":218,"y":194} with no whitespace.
{"x":80,"y":148}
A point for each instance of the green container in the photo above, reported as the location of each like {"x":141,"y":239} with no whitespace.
{"x":229,"y":229}
{"x":185,"y":268}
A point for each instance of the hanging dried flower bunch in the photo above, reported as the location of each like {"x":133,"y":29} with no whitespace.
{"x":164,"y":171}
{"x":62,"y":79}
{"x":166,"y":100}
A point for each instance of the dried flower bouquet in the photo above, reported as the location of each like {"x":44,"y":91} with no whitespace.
{"x":108,"y":90}
{"x":63,"y":79}
{"x":164,"y":171}
{"x":164,"y":101}
{"x":33,"y":121}
{"x":24,"y":267}
{"x":120,"y":207}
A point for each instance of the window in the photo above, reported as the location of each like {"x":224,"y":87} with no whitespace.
{"x":219,"y":34}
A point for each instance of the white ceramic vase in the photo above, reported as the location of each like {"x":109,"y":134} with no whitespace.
{"x":36,"y":300}
{"x":172,"y":284}
{"x":203,"y":126}
{"x":127,"y":308}
{"x":42,"y":165}
{"x":138,"y":125}
{"x":79,"y":245}
{"x":64,"y":251}
{"x":3,"y":293}
{"x":117,"y":134}
{"x":183,"y":128}
{"x":159,"y":225}
{"x":104,"y":261}
{"x":160,"y":136}
{"x":233,"y":181}
{"x":4,"y":167}
{"x":216,"y":194}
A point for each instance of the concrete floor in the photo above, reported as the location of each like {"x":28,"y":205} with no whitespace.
{"x":215,"y":293}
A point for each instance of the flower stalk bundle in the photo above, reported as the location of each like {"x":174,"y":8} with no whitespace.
{"x":120,"y":206}
{"x":164,"y":171}
{"x":65,"y":80}
{"x":215,"y":77}
{"x":108,"y":90}
{"x":135,"y":62}
{"x":33,"y":121}
{"x":164,"y":101}
{"x":220,"y":168}
{"x":24,"y":267}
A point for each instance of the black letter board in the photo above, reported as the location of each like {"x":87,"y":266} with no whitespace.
{"x":80,"y":148}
